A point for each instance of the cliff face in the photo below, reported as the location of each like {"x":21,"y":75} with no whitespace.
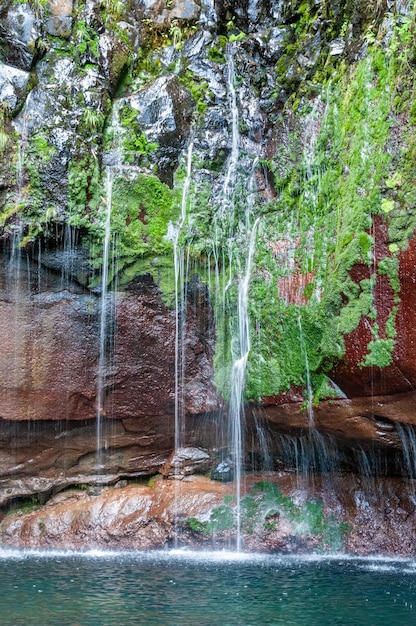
{"x":210,"y":134}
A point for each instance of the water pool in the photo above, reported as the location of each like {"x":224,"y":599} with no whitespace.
{"x":186,"y":588}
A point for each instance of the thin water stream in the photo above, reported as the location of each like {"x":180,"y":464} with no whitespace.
{"x":104,"y":328}
{"x":102,"y":361}
{"x":180,"y":308}
{"x":238,"y":378}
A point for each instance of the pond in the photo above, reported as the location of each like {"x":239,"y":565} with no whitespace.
{"x":203,"y":589}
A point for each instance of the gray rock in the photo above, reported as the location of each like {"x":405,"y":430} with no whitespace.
{"x":13,"y":84}
{"x":163,"y":13}
{"x":59,"y":26}
{"x":61,"y":7}
{"x":186,"y":461}
{"x":336,"y":47}
{"x":223,"y":472}
{"x":19,"y":30}
{"x":164,"y":112}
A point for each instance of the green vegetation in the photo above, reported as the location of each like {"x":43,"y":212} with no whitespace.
{"x":142,"y":209}
{"x":86,"y":40}
{"x":84,"y":193}
{"x":320,"y":226}
{"x":135,"y":146}
{"x":4,"y":137}
{"x":347,"y":164}
{"x":265,"y":507}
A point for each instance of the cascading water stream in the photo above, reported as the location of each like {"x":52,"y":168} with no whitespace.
{"x":181,"y":273}
{"x":315,"y":457}
{"x":223,"y":217}
{"x":180,"y":309}
{"x":237,"y":244}
{"x":238,"y":377}
{"x":103,"y":358}
{"x":102,"y":361}
{"x":228,"y":187}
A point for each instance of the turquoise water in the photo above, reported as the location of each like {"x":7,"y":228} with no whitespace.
{"x":182,"y":589}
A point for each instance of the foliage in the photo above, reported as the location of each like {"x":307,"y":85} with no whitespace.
{"x":84,"y":193}
{"x":329,"y":210}
{"x":141,"y":211}
{"x":135,"y":146}
{"x":200,"y":92}
{"x":87,"y":41}
{"x":264,"y":507}
{"x":93,"y":120}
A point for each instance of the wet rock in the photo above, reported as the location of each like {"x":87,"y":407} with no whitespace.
{"x":336,"y":47}
{"x":186,"y":461}
{"x":19,"y":31}
{"x":61,"y":7}
{"x":48,"y":366}
{"x":223,"y":472}
{"x":141,"y":518}
{"x":163,"y":13}
{"x":72,"y":264}
{"x":114,"y":56}
{"x":59,"y":26}
{"x":13,"y":85}
{"x":164,"y":114}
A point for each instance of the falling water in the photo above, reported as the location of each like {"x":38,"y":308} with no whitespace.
{"x":21,"y":151}
{"x":104,"y":313}
{"x":304,"y":352}
{"x":110,"y":172}
{"x":408,"y":440}
{"x":228,"y":188}
{"x":315,"y":453}
{"x":238,"y":377}
{"x":180,"y":310}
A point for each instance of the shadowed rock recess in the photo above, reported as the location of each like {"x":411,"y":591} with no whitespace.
{"x":156,"y":158}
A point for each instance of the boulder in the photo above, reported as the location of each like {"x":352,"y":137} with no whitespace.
{"x":13,"y":86}
{"x":20,"y":29}
{"x":164,"y":111}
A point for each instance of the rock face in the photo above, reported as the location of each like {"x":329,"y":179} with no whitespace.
{"x":244,"y":198}
{"x":49,"y":369}
{"x":351,"y":516}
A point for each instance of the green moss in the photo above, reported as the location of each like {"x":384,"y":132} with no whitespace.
{"x":319,"y":227}
{"x":84,"y":191}
{"x":135,"y":146}
{"x":216,"y":55}
{"x":87,"y":40}
{"x":160,"y":268}
{"x":200,"y":92}
{"x":142,"y":209}
{"x":380,"y":353}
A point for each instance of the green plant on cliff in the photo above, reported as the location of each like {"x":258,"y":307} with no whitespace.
{"x":135,"y":145}
{"x":87,"y":40}
{"x":4,"y":137}
{"x":142,"y":209}
{"x":263,"y":509}
{"x":84,"y":193}
{"x":200,"y":92}
{"x":320,"y":226}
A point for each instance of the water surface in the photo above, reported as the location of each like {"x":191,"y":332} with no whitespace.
{"x":179,"y":588}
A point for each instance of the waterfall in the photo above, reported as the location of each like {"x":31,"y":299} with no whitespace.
{"x":238,"y":377}
{"x":21,"y":151}
{"x":103,"y":358}
{"x":407,"y":437}
{"x":180,"y":310}
{"x":316,"y":455}
{"x":229,"y":181}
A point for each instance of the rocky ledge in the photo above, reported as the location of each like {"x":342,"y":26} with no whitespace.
{"x":281,"y":513}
